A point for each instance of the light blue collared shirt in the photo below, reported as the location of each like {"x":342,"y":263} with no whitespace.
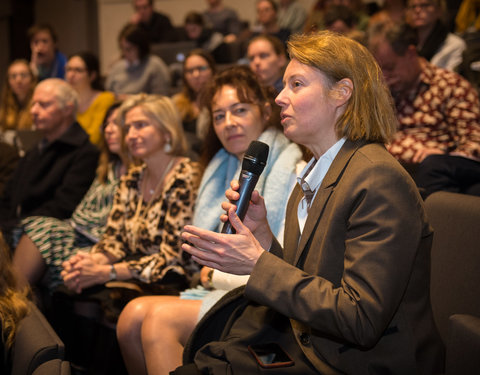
{"x":312,"y":176}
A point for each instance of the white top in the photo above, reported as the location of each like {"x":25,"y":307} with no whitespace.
{"x":449,"y":55}
{"x":313,"y":179}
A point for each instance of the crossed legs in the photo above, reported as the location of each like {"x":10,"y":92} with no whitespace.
{"x":152,"y":332}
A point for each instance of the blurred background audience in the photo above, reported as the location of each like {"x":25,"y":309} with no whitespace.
{"x":198,"y":69}
{"x":157,"y":25}
{"x":46,"y":60}
{"x":58,"y":115}
{"x":16,"y":96}
{"x":435,"y":42}
{"x":83,"y":74}
{"x":267,"y":59}
{"x":291,"y":15}
{"x":138,"y":70}
{"x":49,"y":241}
{"x":52,"y":178}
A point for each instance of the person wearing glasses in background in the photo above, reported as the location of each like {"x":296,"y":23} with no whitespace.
{"x":198,"y":69}
{"x":435,"y":42}
{"x":16,"y":96}
{"x":83,"y":74}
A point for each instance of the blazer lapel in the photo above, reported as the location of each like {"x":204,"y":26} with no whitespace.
{"x":326,"y":189}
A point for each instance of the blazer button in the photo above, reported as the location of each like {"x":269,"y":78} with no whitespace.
{"x":305,"y":339}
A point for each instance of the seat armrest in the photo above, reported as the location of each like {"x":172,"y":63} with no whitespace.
{"x":35,"y":343}
{"x":463,"y":345}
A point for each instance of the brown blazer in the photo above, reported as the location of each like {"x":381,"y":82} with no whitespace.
{"x":351,"y":293}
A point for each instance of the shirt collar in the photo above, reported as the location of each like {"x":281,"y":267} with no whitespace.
{"x":312,"y":175}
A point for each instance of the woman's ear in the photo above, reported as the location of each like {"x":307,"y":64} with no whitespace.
{"x":342,"y":90}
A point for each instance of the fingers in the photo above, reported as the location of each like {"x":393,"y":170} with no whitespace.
{"x":199,"y":232}
{"x":419,"y":156}
{"x":236,"y":222}
{"x":234,"y":184}
{"x":226,"y":206}
{"x":256,"y":197}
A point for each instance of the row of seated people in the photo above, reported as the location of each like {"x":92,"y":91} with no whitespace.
{"x":448,"y":124}
{"x":143,"y":222}
{"x":140,"y":239}
{"x":468,"y":94}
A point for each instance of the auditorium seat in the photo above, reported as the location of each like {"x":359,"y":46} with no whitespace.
{"x":36,"y":344}
{"x":455,"y":276}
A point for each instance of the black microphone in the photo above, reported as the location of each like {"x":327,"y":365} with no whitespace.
{"x":252,"y":167}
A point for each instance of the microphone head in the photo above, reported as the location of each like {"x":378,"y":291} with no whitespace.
{"x":255,"y":157}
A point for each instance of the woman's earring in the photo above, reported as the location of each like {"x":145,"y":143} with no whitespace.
{"x":167,"y":147}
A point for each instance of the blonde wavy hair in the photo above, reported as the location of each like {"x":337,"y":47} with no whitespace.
{"x":164,"y":114}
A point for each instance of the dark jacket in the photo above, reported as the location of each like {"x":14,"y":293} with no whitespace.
{"x":51,"y":181}
{"x":8,"y":162}
{"x":159,"y":28}
{"x":349,"y":295}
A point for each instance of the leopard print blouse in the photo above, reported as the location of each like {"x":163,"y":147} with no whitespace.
{"x":151,"y":245}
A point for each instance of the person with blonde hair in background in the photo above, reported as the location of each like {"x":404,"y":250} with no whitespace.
{"x":153,"y":201}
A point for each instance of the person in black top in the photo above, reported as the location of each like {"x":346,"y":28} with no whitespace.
{"x":156,"y":24}
{"x":52,"y":178}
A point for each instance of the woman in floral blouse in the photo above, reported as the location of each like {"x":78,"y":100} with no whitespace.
{"x":151,"y":205}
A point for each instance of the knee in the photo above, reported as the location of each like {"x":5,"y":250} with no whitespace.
{"x":131,"y":319}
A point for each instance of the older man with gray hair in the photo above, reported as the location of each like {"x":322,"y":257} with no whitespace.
{"x":51,"y":179}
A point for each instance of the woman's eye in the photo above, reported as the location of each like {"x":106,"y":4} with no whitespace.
{"x":240,"y":110}
{"x":218,"y":117}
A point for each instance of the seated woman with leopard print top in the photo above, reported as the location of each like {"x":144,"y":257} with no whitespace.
{"x":151,"y":205}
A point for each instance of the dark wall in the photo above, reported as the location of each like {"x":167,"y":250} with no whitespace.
{"x":75,"y":21}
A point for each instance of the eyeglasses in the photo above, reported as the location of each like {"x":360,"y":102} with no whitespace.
{"x":200,"y":68}
{"x":421,"y":6}
{"x":75,"y":69}
{"x":21,"y":75}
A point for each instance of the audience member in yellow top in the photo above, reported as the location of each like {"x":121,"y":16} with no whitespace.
{"x":83,"y":73}
{"x":16,"y":96}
